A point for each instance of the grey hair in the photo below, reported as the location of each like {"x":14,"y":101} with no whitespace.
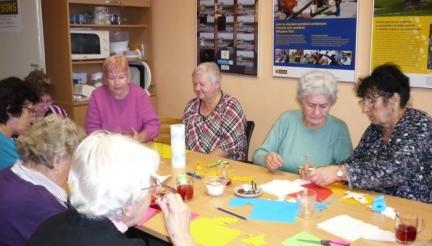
{"x":210,"y":70}
{"x":317,"y":82}
{"x":108,"y":172}
{"x":47,"y":138}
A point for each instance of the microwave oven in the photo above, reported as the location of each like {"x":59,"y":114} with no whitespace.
{"x":89,"y":44}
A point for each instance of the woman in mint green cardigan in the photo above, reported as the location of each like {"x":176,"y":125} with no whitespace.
{"x":310,"y":135}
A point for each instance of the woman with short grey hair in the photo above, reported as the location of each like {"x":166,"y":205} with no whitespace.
{"x":111,"y":181}
{"x":32,"y":189}
{"x":310,"y":135}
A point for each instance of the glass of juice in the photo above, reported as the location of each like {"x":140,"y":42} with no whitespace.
{"x":185,"y":186}
{"x":407,"y":226}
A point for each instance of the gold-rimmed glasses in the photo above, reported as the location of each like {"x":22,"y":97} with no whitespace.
{"x":368,"y":101}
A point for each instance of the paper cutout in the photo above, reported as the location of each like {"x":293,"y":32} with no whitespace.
{"x":355,"y":198}
{"x":293,"y":241}
{"x":268,"y":210}
{"x":321,"y":192}
{"x":164,"y":150}
{"x":148,"y":214}
{"x":351,"y":229}
{"x":338,"y":188}
{"x":212,"y":231}
{"x":281,"y":188}
{"x":254,"y":240}
{"x":242,"y":178}
{"x":379,"y":205}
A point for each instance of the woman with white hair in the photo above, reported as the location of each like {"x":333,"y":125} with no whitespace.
{"x":215,"y":122}
{"x":111,"y":181}
{"x":310,"y":135}
{"x":32,"y":189}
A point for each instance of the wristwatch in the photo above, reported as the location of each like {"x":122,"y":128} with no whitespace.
{"x":340,"y":173}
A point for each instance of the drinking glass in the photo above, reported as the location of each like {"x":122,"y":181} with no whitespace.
{"x":185,"y":186}
{"x":306,"y":200}
{"x":407,"y":226}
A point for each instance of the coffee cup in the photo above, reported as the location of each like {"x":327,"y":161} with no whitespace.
{"x":407,"y":226}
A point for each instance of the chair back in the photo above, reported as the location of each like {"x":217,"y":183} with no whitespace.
{"x":165,"y":131}
{"x":250,"y":125}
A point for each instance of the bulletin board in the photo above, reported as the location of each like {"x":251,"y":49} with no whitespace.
{"x":227,"y":33}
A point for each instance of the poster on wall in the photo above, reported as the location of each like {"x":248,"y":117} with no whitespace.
{"x":9,"y":17}
{"x":315,"y":34}
{"x":227,"y":33}
{"x":402,"y":34}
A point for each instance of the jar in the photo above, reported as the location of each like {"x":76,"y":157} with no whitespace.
{"x":215,"y":185}
{"x":101,"y":15}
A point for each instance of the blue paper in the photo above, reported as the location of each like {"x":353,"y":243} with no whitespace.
{"x":278,"y":211}
{"x":379,"y":204}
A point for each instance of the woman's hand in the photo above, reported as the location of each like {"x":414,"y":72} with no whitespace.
{"x":177,"y":219}
{"x":139,"y":136}
{"x":273,"y":161}
{"x":324,"y":175}
{"x":306,"y":171}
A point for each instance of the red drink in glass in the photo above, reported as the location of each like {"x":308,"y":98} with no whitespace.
{"x":406,"y":233}
{"x":185,"y":191}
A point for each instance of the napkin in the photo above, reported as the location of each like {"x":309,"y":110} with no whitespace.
{"x":351,"y":229}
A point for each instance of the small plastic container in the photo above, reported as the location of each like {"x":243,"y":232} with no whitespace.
{"x":215,"y":185}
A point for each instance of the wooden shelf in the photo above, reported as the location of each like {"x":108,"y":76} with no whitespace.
{"x":108,"y":26}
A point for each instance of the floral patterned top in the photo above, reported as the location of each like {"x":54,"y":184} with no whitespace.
{"x":402,"y":166}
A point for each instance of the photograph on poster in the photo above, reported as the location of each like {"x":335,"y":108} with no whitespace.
{"x":287,"y":9}
{"x":314,"y":34}
{"x":227,"y":34}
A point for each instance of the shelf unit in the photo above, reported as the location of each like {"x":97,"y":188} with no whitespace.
{"x":136,"y":16}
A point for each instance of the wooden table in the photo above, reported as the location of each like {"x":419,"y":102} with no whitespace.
{"x":275,"y":233}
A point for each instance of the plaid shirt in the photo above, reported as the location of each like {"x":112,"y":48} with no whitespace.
{"x":223,"y":128}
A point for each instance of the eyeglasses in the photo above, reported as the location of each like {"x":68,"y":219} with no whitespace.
{"x":30,"y":109}
{"x":369,"y":101}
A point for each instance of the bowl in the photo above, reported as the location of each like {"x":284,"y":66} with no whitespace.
{"x":215,"y":185}
{"x":119,"y":47}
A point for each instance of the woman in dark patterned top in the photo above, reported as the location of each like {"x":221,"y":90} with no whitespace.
{"x":394,"y":155}
{"x":215,"y":122}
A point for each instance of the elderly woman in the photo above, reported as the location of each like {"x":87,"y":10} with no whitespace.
{"x":31,"y":190}
{"x":44,"y":89}
{"x":120,"y":106}
{"x":394,"y":154}
{"x":215,"y":122}
{"x":17,"y":100}
{"x":105,"y":207}
{"x":309,"y":135}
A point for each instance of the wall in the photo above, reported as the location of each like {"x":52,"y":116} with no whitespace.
{"x":22,"y":51}
{"x":264,"y":97}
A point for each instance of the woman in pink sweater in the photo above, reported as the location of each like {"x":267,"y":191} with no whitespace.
{"x":120,"y":106}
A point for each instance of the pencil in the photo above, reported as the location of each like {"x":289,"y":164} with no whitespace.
{"x":233,"y":214}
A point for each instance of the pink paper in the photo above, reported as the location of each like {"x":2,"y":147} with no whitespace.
{"x":149,"y":213}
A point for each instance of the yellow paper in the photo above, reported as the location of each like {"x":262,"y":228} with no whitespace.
{"x":255,"y":240}
{"x":213,"y":232}
{"x":338,"y":188}
{"x":164,"y":150}
{"x":242,"y":178}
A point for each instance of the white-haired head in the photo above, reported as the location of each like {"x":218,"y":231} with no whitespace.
{"x":210,"y":70}
{"x":108,"y":173}
{"x":319,"y":83}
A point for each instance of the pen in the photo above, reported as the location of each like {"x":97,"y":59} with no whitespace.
{"x":194,"y":175}
{"x":233,"y":214}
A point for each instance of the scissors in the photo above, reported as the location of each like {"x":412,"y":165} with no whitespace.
{"x":333,"y":242}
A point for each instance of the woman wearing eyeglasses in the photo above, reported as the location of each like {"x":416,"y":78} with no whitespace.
{"x":309,"y":135}
{"x":44,"y":89}
{"x":17,"y":100}
{"x":111,"y":181}
{"x":394,"y":155}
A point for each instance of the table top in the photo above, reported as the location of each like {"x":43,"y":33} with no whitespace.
{"x":274,"y":232}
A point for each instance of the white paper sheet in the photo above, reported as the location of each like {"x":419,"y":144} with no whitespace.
{"x":281,"y":188}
